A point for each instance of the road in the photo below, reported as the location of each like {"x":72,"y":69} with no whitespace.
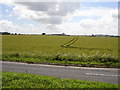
{"x":109,"y":75}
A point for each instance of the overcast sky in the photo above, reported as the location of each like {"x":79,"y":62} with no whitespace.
{"x":74,"y":18}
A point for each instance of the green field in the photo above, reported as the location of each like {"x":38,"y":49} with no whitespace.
{"x":93,"y":51}
{"x":22,"y":80}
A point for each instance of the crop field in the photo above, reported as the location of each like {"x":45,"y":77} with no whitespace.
{"x":67,"y":50}
{"x":25,"y":80}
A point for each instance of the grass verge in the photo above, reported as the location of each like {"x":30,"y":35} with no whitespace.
{"x":66,"y":59}
{"x":23,"y":80}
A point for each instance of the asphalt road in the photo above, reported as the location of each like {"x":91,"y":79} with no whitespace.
{"x":108,"y":75}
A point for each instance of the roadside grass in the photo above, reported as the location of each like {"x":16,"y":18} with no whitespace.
{"x":99,"y":51}
{"x":64,"y":59}
{"x":23,"y":80}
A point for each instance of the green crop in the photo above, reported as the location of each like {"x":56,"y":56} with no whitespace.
{"x":70,"y":50}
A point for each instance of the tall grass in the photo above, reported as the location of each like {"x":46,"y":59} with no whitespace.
{"x":22,"y":80}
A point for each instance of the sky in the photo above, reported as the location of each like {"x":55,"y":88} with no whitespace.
{"x":73,"y":18}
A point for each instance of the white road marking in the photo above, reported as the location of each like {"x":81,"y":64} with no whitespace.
{"x":102,"y":74}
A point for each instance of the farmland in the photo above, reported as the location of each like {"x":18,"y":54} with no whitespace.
{"x":93,"y":51}
{"x":25,"y":80}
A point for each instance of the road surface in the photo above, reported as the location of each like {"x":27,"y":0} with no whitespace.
{"x":108,"y":75}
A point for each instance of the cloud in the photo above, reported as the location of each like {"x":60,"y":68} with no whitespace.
{"x":58,"y":17}
{"x":96,"y":11}
{"x":45,"y":12}
{"x":103,"y":25}
{"x":48,"y":13}
{"x":52,"y":8}
{"x":38,"y":6}
{"x":9,"y":26}
{"x":7,"y":2}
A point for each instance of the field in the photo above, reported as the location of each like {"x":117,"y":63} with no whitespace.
{"x":64,"y":50}
{"x":22,"y":80}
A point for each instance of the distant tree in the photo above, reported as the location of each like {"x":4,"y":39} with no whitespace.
{"x":43,"y":33}
{"x":5,"y":33}
{"x":93,"y":35}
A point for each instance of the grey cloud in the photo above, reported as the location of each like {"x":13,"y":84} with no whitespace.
{"x":56,"y":11}
{"x":50,"y":7}
{"x":116,"y":15}
{"x":55,"y":20}
{"x":51,"y":20}
{"x":64,"y":9}
{"x":37,"y":6}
